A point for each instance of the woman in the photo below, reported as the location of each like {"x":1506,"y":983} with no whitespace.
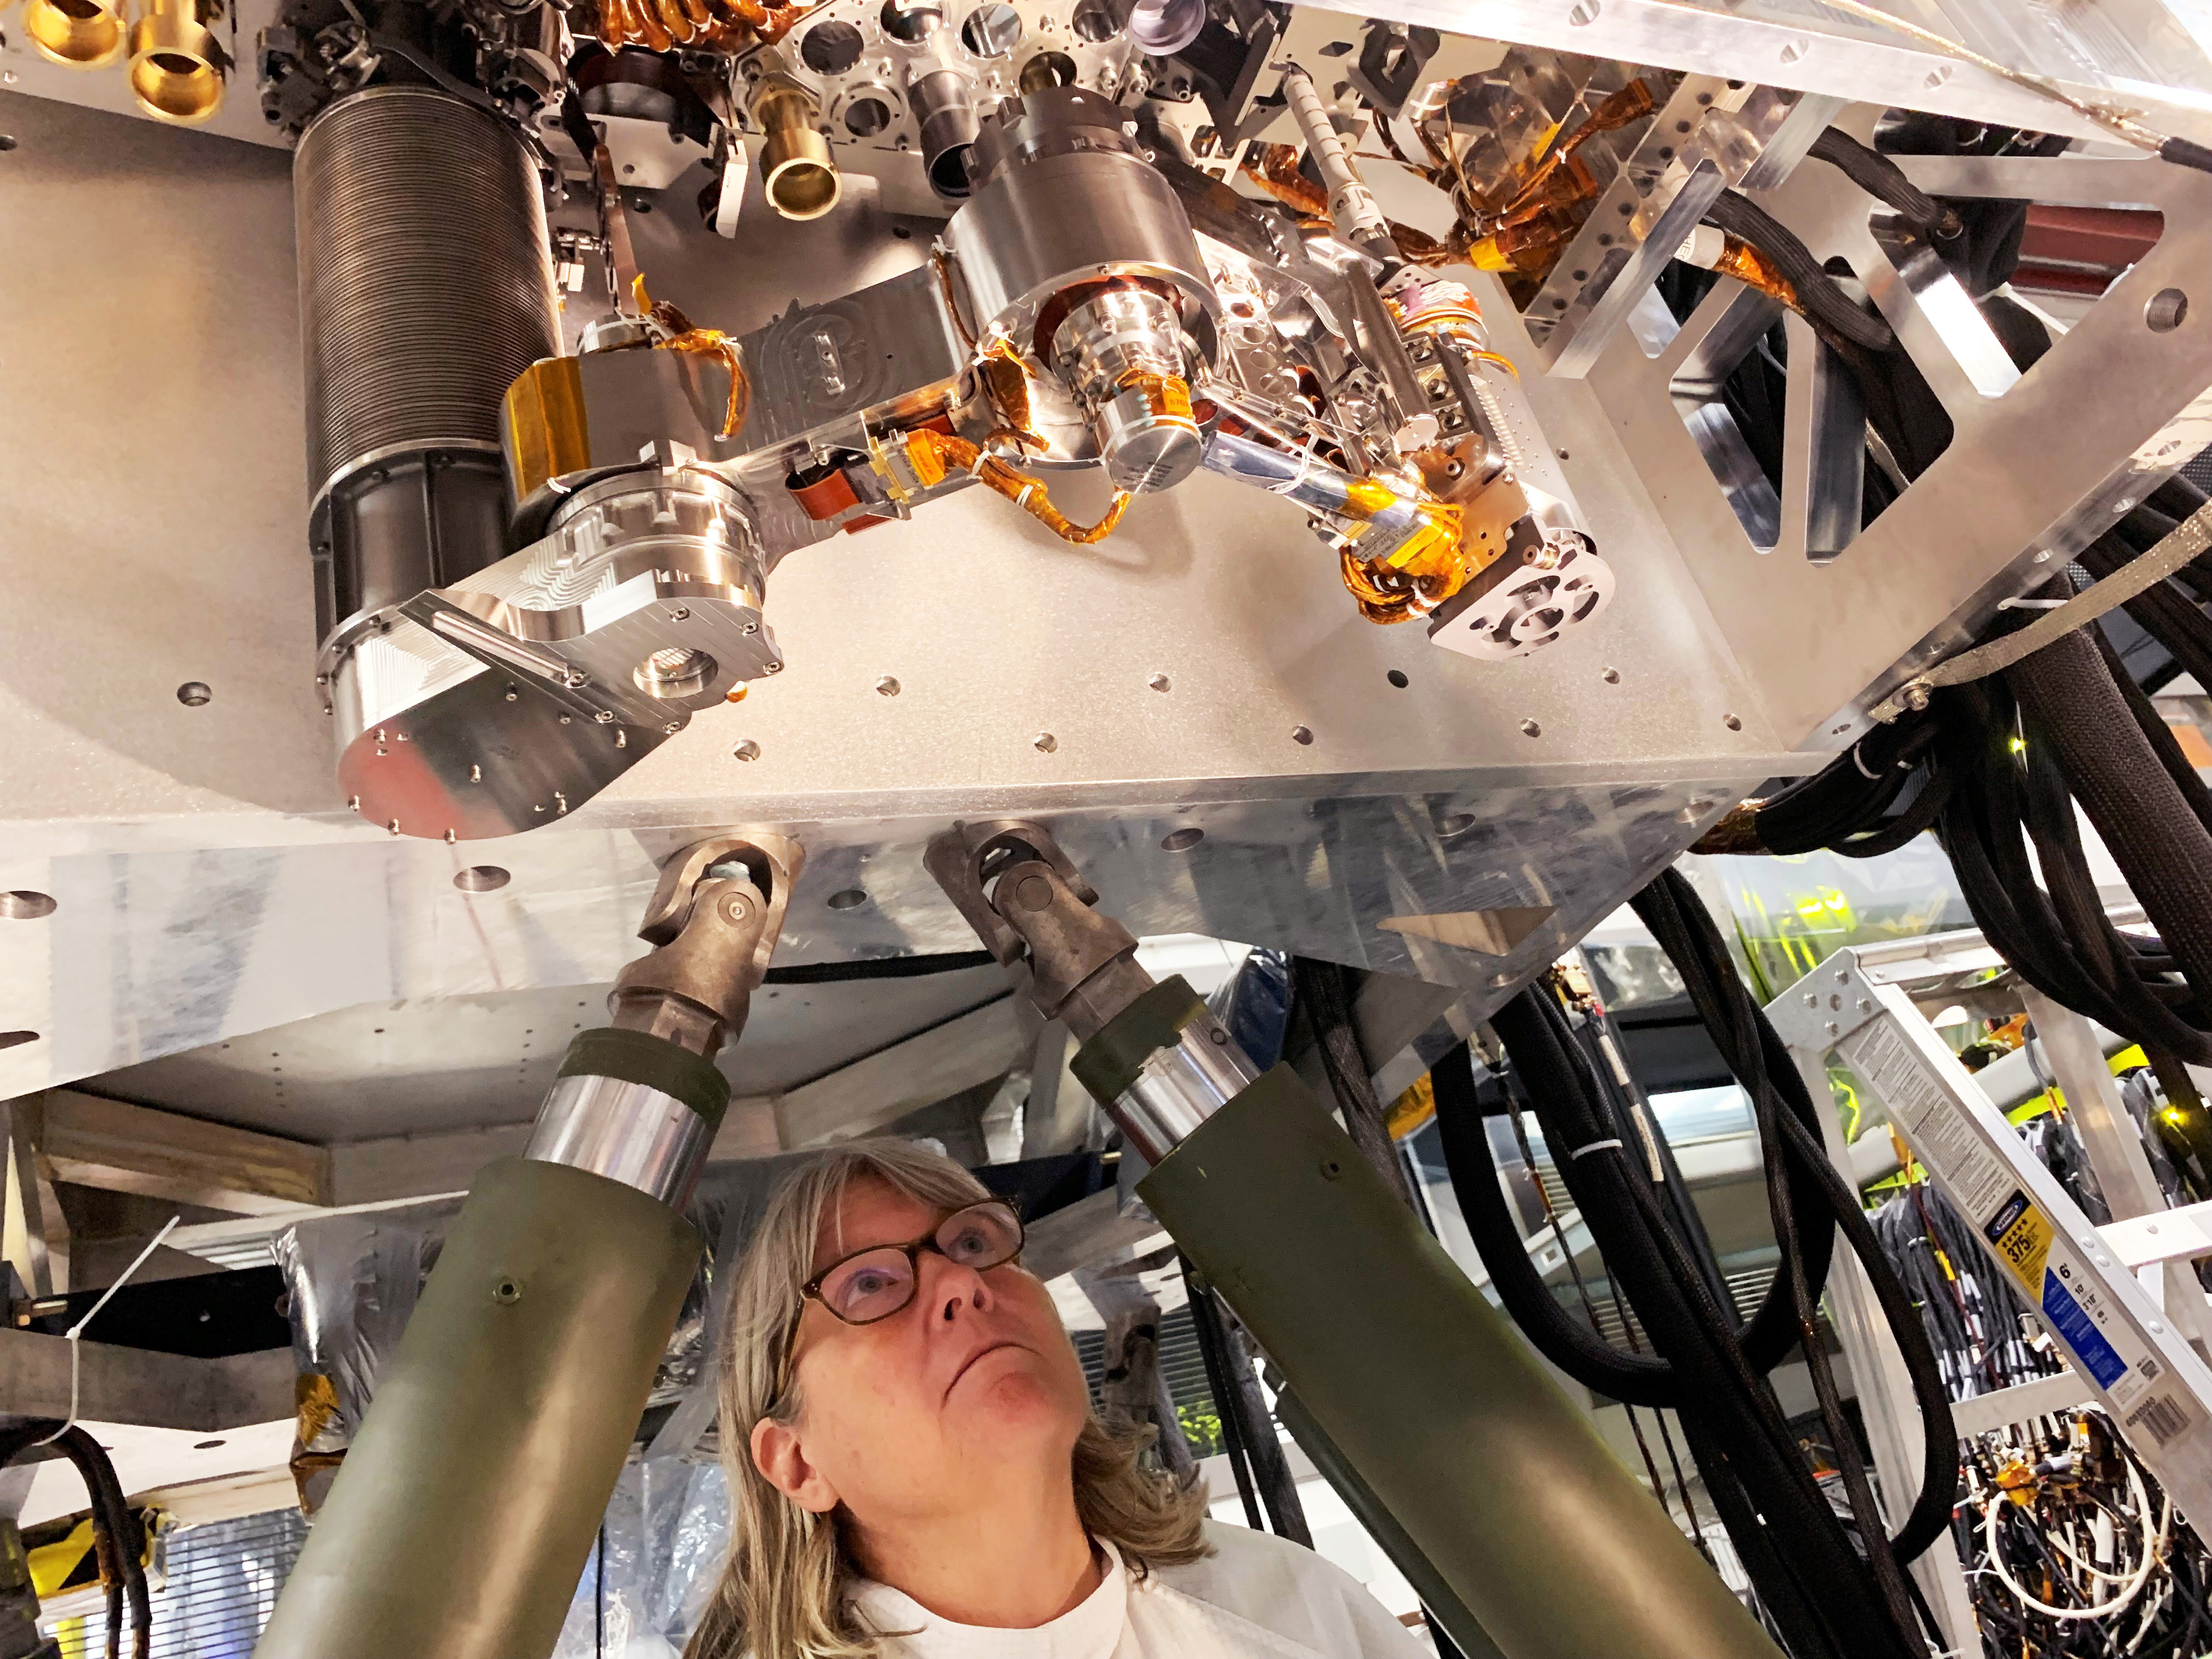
{"x":915,"y":1473}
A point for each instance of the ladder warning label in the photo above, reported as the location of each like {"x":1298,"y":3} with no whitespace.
{"x":2022,"y":1237}
{"x":2080,"y":1333}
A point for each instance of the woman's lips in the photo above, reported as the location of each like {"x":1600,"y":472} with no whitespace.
{"x":967,"y":1365}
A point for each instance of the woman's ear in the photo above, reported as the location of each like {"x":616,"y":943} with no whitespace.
{"x":782,"y":1460}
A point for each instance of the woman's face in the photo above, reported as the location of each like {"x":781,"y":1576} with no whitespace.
{"x":922,"y":1416}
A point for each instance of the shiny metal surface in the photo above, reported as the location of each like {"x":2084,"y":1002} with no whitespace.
{"x":1039,"y":227}
{"x":1111,"y":346}
{"x":625,"y":1132}
{"x":2023,"y":485}
{"x":1179,"y":1088}
{"x":427,"y":284}
{"x":212,"y":884}
{"x":489,"y":707}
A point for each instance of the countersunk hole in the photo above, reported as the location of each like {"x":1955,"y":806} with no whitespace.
{"x":1397,"y":678}
{"x":206,"y":1445}
{"x":992,"y":31}
{"x":887,"y":686}
{"x":1181,"y":840}
{"x":508,"y":1291}
{"x":481,"y":879}
{"x":851,"y":898}
{"x":1160,"y":682}
{"x":1047,"y":70}
{"x":1301,"y":734}
{"x":1454,"y":823}
{"x":1793,"y":50}
{"x":7,"y":141}
{"x":679,"y":671}
{"x":911,"y":20}
{"x":1584,"y":13}
{"x":24,"y":905}
{"x":16,"y":1039}
{"x":194,"y":693}
{"x":1093,"y":21}
{"x":830,"y":48}
{"x":1530,"y":729}
{"x":1732,"y":722}
{"x":1611,"y":676}
{"x":747,"y":750}
{"x":2166,"y":310}
{"x":1044,"y":742}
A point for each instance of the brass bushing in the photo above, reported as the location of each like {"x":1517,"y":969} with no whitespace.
{"x":79,"y":34}
{"x":177,"y":68}
{"x":796,"y":173}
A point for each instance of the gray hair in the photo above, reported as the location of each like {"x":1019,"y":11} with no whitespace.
{"x":782,"y":1593}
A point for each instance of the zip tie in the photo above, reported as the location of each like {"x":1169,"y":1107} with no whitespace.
{"x":1596,"y":1147}
{"x":73,"y":1336}
{"x":1861,"y":764}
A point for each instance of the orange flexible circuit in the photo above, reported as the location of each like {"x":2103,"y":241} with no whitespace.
{"x":722,"y":25}
{"x":934,"y":455}
{"x":683,"y":336}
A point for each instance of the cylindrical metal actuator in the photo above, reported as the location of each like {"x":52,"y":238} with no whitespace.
{"x":1075,"y":249}
{"x":426,"y":287}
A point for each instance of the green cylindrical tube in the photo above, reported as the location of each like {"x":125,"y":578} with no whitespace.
{"x":1443,"y":1414}
{"x":468,"y":1503}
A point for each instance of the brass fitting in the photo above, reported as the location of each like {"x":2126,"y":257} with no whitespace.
{"x":800,"y":178}
{"x":77,"y":34}
{"x":177,"y":68}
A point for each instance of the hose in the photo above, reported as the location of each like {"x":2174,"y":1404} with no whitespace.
{"x":116,"y":1530}
{"x":1825,"y":303}
{"x":1876,"y":174}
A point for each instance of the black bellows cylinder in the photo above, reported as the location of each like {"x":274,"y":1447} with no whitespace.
{"x":426,"y":287}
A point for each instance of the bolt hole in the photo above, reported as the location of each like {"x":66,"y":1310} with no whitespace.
{"x":887,"y":687}
{"x":2167,"y":310}
{"x":1181,"y":840}
{"x":1530,"y":729}
{"x":481,"y":879}
{"x":1583,"y":14}
{"x":1301,"y":734}
{"x":747,"y":750}
{"x":1732,"y":722}
{"x":205,"y":1445}
{"x":24,"y":905}
{"x":1453,"y":824}
{"x":850,"y":898}
{"x":508,"y":1291}
{"x":1397,"y":678}
{"x":7,"y":139}
{"x":1793,"y":50}
{"x":194,"y":693}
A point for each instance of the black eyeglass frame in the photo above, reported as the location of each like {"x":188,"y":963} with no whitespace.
{"x":812,"y":1290}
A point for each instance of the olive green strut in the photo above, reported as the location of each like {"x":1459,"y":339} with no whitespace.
{"x":468,"y":1503}
{"x":1503,"y":1504}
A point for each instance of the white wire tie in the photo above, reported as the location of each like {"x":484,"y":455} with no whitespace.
{"x":74,"y":1336}
{"x":1861,"y":764}
{"x":1596,"y":1147}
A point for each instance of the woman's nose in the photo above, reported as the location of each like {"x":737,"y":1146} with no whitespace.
{"x":950,"y":1286}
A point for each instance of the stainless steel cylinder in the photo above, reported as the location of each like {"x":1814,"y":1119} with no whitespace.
{"x":1060,"y":204}
{"x":1123,"y":353}
{"x":944,"y":115}
{"x":426,"y":279}
{"x":628,"y":1131}
{"x":1178,"y":1088}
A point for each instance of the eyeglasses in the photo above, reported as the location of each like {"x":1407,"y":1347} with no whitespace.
{"x":876,"y":1282}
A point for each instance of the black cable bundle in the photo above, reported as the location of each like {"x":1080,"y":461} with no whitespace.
{"x":1247,"y":1433}
{"x":116,"y":1536}
{"x":1824,"y":1597}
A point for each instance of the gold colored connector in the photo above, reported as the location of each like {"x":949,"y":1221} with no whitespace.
{"x":179,"y":69}
{"x":77,"y":34}
{"x":796,"y":173}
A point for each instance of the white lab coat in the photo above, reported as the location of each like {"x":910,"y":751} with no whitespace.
{"x":1255,"y":1597}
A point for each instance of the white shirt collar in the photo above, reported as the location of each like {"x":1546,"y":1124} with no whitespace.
{"x":1089,"y":1630}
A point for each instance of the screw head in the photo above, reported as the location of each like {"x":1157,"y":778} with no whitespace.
{"x":507,"y":1293}
{"x":604,"y":717}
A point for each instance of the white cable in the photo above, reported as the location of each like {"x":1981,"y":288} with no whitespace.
{"x":75,"y":1334}
{"x":2135,"y":1582}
